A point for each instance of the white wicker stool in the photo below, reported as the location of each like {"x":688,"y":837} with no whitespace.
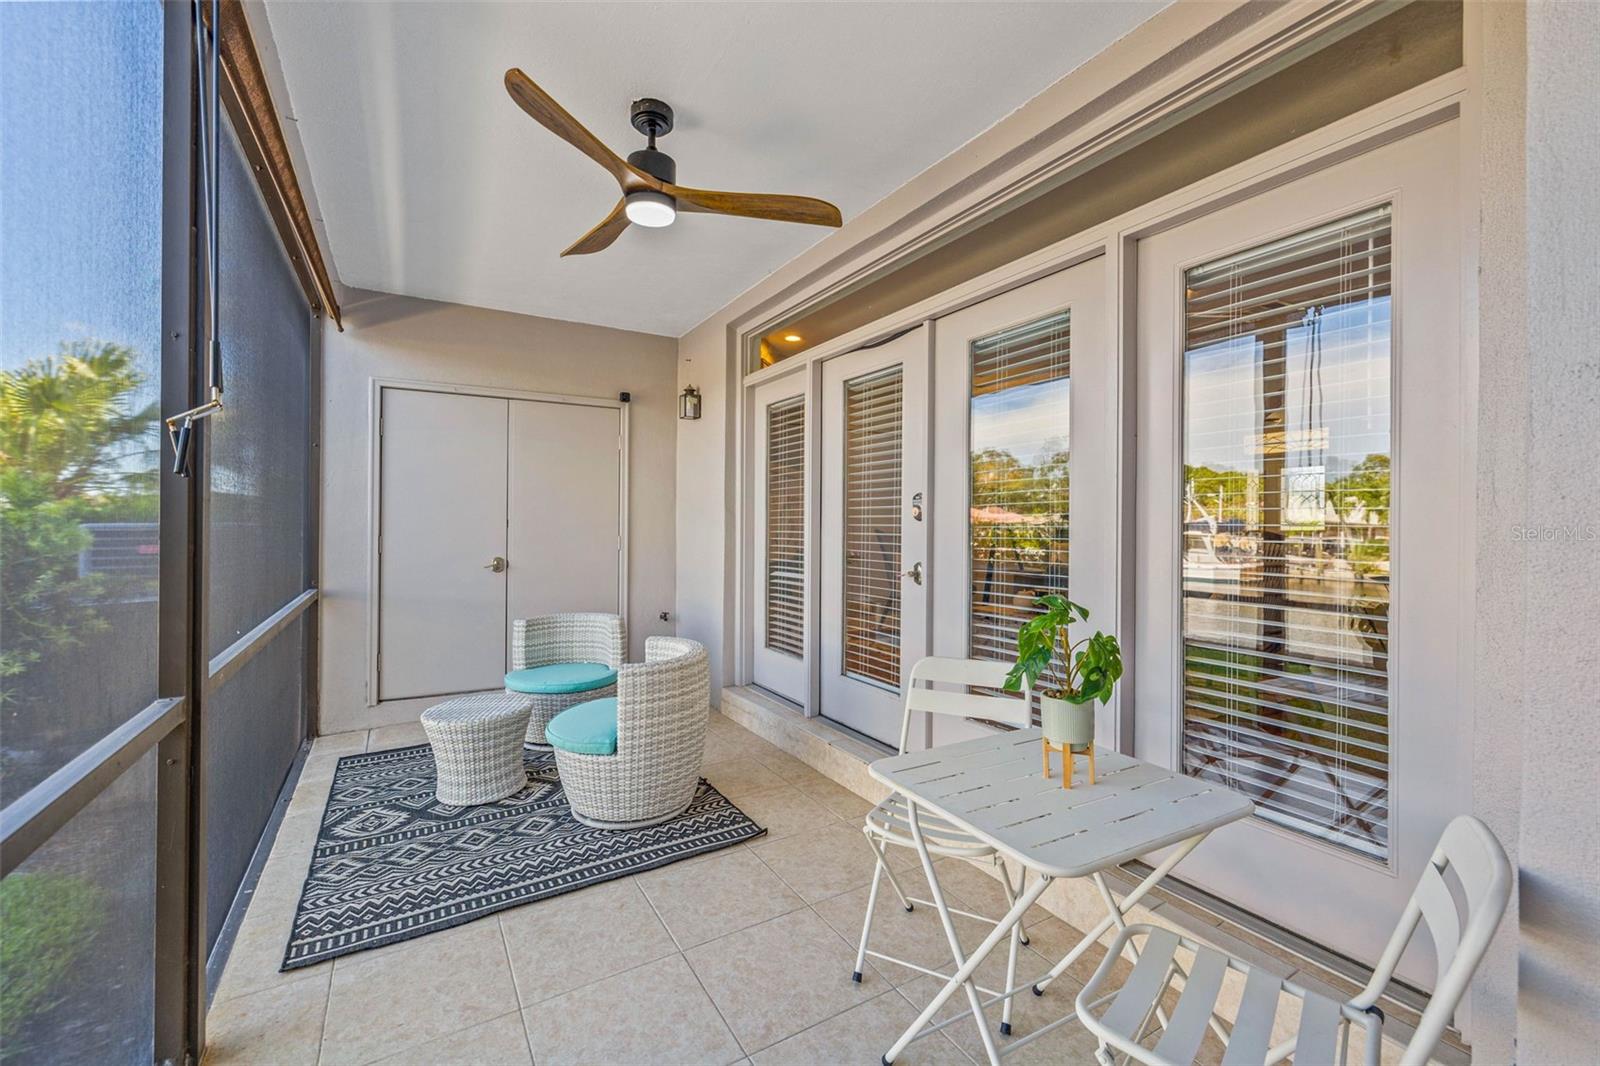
{"x":477,"y":746}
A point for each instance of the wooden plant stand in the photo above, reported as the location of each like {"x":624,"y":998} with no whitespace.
{"x":1068,"y":759}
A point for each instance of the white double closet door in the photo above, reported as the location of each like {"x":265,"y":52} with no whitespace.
{"x":490,"y":508}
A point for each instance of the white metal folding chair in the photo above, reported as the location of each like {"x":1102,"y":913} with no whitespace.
{"x":1460,"y":938}
{"x":888,"y":823}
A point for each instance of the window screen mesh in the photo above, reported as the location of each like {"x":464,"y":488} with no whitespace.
{"x":258,"y":444}
{"x":786,"y":534}
{"x":256,"y":528}
{"x":1020,"y":425}
{"x":872,"y":527}
{"x":1285,"y":527}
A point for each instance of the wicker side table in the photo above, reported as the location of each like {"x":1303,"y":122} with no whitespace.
{"x":477,"y":746}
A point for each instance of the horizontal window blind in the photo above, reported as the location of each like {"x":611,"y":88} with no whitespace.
{"x":1285,"y":527}
{"x":786,"y":534}
{"x":872,"y":450}
{"x":1020,"y":417}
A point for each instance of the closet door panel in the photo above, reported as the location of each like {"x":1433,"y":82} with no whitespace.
{"x":443,"y":522}
{"x":564,"y":509}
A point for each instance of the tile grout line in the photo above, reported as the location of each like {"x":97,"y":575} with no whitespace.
{"x":947,"y":1038}
{"x":327,"y":1006}
{"x":692,"y":971}
{"x":516,"y":989}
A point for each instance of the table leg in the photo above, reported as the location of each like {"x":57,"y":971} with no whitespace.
{"x":968,"y":966}
{"x":1119,"y":911}
{"x":1015,"y":943}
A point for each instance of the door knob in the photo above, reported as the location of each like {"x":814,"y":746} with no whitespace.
{"x":498,"y":566}
{"x":915,"y":573}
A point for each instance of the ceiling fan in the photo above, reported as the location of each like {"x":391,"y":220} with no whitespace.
{"x":650,"y":196}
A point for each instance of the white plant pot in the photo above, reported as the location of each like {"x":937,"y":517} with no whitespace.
{"x":1067,"y":723}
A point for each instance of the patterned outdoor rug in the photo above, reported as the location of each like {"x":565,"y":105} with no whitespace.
{"x":392,"y":863}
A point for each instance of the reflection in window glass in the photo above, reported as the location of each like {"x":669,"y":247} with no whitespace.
{"x":80,"y":330}
{"x":1285,"y":512}
{"x":1021,"y":431}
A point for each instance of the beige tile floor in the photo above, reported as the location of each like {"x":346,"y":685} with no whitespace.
{"x":743,"y":955}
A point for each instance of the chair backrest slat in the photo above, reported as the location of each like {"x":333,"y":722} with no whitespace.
{"x":959,"y":675}
{"x":1439,"y":908}
{"x":1473,"y":860}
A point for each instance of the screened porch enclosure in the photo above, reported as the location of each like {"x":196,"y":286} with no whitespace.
{"x":140,"y":598}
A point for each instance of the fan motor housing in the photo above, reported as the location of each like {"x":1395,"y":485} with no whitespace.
{"x":658,"y":165}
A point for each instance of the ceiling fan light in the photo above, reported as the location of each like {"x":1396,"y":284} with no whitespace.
{"x":647,"y":207}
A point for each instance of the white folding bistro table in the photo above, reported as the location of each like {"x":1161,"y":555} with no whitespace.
{"x":994,"y":787}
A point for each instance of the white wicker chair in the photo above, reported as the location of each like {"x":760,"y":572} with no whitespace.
{"x":565,"y":638}
{"x":663,"y":706}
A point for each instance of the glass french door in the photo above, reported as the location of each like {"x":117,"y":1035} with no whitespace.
{"x":782,"y":522}
{"x":1023,"y":414}
{"x":873,"y":533}
{"x":1300,"y":502}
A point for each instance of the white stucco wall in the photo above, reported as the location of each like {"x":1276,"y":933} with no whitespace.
{"x":1559,"y":850}
{"x":1501,"y":431}
{"x":705,"y":500}
{"x":392,"y":336}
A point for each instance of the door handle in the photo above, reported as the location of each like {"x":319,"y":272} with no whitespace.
{"x":915,"y":573}
{"x":498,"y":565}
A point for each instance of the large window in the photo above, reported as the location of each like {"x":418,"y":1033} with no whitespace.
{"x":1021,"y":412}
{"x":1286,"y":492}
{"x":872,"y":527}
{"x":81,"y":117}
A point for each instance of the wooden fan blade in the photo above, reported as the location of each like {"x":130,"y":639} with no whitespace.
{"x":805,"y":209}
{"x":609,"y":229}
{"x":553,"y":117}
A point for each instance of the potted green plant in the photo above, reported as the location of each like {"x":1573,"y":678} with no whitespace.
{"x":1092,"y":667}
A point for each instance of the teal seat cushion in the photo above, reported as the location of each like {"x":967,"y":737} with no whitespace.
{"x":586,"y":728}
{"x":561,"y":677}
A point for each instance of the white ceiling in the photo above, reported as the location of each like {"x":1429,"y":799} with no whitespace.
{"x":432,"y":183}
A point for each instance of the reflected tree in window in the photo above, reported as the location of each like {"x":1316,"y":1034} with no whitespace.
{"x":1020,"y":411}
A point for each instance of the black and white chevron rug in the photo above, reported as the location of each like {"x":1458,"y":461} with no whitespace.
{"x":392,"y":863}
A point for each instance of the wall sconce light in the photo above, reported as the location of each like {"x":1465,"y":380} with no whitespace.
{"x":689,"y":403}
